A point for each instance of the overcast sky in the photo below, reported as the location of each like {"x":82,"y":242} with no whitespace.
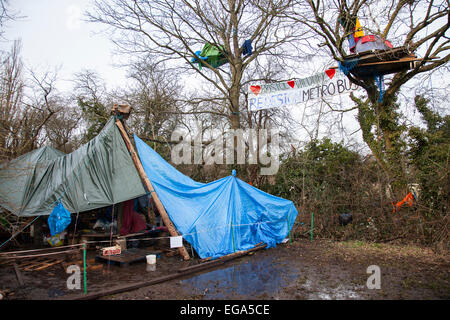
{"x":54,"y":36}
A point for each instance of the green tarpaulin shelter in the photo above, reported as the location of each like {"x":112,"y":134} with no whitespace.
{"x":98,"y":174}
{"x":212,"y":55}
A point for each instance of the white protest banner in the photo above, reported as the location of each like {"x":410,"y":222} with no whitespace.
{"x":279,"y":94}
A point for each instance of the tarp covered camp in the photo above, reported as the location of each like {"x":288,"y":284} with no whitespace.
{"x":216,"y":218}
{"x":220,"y":217}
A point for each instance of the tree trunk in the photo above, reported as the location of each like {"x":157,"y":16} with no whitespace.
{"x":381,"y":132}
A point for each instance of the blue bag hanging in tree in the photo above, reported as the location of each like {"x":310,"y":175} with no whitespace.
{"x":59,"y":219}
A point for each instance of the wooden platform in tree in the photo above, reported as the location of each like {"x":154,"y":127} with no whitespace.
{"x":380,"y":55}
{"x":368,"y":64}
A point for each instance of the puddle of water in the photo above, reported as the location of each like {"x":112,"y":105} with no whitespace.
{"x":263,"y":277}
{"x":246,"y":280}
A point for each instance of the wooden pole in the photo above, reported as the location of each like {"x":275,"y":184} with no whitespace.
{"x":162,"y":211}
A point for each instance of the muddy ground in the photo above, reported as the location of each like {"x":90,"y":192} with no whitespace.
{"x":301,"y":270}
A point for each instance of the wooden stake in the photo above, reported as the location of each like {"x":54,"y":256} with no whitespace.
{"x":407,"y":59}
{"x":162,"y":211}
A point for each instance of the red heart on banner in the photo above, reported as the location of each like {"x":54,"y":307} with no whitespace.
{"x":255,"y":89}
{"x":291,"y":83}
{"x":330,"y":73}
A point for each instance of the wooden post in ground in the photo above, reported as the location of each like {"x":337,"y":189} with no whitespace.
{"x":162,"y":211}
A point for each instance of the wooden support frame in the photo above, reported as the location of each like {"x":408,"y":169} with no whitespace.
{"x":162,"y":211}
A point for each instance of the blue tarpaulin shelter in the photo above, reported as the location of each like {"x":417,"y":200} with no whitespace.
{"x":220,"y":217}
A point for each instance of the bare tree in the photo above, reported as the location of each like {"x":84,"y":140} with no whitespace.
{"x":26,"y":105}
{"x":6,"y":14}
{"x":154,"y":94}
{"x":40,"y":105}
{"x":23,"y":116}
{"x":11,"y":91}
{"x":92,"y":98}
{"x":61,"y":129}
{"x":172,"y":30}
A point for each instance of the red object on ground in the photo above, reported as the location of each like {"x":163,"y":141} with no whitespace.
{"x":132,"y":222}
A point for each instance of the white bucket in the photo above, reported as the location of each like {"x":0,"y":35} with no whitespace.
{"x":151,"y":259}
